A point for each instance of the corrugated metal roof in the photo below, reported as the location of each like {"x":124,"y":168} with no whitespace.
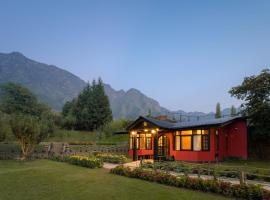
{"x":190,"y":124}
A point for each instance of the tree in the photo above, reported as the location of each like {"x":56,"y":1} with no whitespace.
{"x":233,"y":111}
{"x":90,"y":110}
{"x":218,"y":111}
{"x":30,"y":121}
{"x":29,"y":131}
{"x":3,"y":126}
{"x":18,"y":99}
{"x":255,"y":91}
{"x":149,"y":113}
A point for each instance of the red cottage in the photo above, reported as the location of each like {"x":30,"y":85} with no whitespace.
{"x":207,"y":140}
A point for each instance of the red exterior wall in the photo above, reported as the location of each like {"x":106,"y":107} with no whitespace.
{"x":232,"y":142}
{"x":197,"y":155}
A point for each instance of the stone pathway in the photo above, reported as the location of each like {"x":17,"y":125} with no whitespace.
{"x":135,"y":164}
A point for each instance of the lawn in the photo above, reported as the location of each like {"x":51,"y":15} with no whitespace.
{"x":44,"y":179}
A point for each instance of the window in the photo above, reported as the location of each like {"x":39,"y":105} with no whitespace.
{"x":148,"y":141}
{"x":143,"y":141}
{"x":192,"y":140}
{"x":185,"y":140}
{"x":177,"y":141}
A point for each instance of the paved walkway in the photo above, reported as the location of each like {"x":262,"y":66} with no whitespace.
{"x":135,"y":164}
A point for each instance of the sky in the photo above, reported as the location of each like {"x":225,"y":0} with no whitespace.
{"x":184,"y":54}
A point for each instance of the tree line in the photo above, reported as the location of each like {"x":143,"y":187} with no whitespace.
{"x":31,"y":121}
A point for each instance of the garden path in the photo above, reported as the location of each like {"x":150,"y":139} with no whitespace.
{"x":134,"y":164}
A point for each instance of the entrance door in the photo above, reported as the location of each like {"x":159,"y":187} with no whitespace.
{"x":163,"y":147}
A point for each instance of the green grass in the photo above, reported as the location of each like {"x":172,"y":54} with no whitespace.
{"x":44,"y":179}
{"x":61,"y":135}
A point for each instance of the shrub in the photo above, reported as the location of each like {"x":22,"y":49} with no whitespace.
{"x":84,"y":161}
{"x":219,"y":187}
{"x":112,"y":158}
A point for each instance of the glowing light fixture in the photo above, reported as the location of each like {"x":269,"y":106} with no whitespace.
{"x":145,"y":130}
{"x":153,"y":131}
{"x":133,"y":132}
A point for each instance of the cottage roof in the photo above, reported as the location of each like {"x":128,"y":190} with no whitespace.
{"x":185,"y":125}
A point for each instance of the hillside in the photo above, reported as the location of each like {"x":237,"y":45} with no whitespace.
{"x":55,"y":86}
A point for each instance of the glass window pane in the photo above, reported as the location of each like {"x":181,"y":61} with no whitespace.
{"x":186,"y":132}
{"x":205,"y":142}
{"x":205,"y":132}
{"x":186,"y":142}
{"x":142,"y":141}
{"x":196,"y":132}
{"x":148,"y":143}
{"x":197,"y":142}
{"x":177,"y":143}
{"x":177,"y":133}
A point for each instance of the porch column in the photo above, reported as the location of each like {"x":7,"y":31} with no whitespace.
{"x":156,"y":147}
{"x":134,"y":148}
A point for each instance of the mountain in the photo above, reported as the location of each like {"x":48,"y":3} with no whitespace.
{"x":55,"y":86}
{"x":51,"y":84}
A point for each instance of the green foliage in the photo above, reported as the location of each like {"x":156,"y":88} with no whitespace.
{"x":30,"y":121}
{"x":113,"y":126}
{"x":4,"y":126}
{"x":255,"y":92}
{"x":90,"y":110}
{"x":233,"y":111}
{"x":29,"y":131}
{"x":211,"y":169}
{"x":220,"y":187}
{"x":149,"y":113}
{"x":84,"y":161}
{"x":112,"y":158}
{"x":17,"y":99}
{"x":218,"y":111}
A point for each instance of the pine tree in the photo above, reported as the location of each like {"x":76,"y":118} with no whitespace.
{"x":90,"y":110}
{"x":233,"y":111}
{"x":218,"y":111}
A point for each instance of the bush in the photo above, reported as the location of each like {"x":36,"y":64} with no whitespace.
{"x":84,"y":161}
{"x":112,"y":158}
{"x":219,"y":187}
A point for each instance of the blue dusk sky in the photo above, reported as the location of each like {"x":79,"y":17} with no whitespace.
{"x":184,"y":54}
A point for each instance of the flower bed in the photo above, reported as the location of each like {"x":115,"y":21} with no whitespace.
{"x":112,"y":158}
{"x":84,"y":161}
{"x":219,"y":187}
{"x":204,"y":169}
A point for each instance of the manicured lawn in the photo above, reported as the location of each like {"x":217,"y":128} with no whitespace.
{"x":44,"y":179}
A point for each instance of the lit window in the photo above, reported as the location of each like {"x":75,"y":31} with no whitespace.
{"x":186,"y":143}
{"x":192,"y":140}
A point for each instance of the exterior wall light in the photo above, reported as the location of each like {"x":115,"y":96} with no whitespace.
{"x":145,"y":130}
{"x":153,"y":131}
{"x":133,"y":133}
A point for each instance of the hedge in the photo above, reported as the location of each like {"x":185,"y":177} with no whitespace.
{"x":219,"y":187}
{"x":84,"y":161}
{"x":112,"y":158}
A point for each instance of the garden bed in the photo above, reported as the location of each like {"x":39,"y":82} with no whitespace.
{"x":224,"y":188}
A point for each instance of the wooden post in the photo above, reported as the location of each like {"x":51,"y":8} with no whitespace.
{"x":156,"y":147}
{"x":242,"y":177}
{"x":134,"y":148}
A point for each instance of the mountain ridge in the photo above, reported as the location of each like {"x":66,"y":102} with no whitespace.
{"x":55,"y":86}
